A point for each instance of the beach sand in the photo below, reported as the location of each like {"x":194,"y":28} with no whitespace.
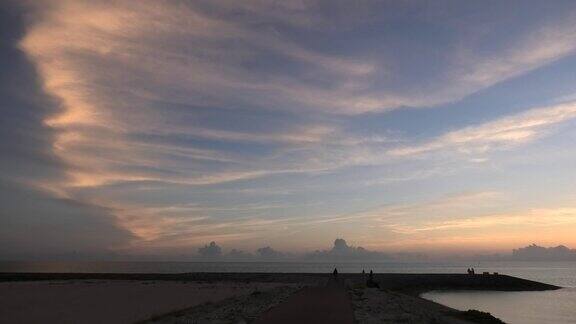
{"x":102,"y":301}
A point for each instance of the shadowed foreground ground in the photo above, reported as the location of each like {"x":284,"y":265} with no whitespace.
{"x":111,"y":302}
{"x":237,"y":297}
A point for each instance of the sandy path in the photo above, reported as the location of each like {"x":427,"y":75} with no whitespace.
{"x":328,"y":304}
{"x":100,"y":301}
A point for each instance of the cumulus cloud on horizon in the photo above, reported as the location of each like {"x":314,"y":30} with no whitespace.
{"x":534,"y":252}
{"x":340,"y":251}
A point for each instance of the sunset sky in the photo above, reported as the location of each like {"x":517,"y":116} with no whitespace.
{"x":155,"y":127}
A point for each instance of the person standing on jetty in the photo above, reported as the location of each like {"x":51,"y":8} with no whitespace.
{"x":371,"y":283}
{"x":335,"y":273}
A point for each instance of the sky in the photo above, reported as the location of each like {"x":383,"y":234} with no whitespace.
{"x":402,"y":126}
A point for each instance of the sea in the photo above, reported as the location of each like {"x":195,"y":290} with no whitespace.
{"x":554,"y":307}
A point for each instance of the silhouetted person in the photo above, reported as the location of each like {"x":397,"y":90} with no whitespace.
{"x":363,"y":272}
{"x":471,"y":270}
{"x":371,"y":283}
{"x":335,"y":273}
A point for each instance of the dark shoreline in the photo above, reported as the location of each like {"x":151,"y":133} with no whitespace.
{"x":407,"y":283}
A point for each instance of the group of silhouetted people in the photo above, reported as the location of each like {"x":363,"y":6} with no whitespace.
{"x":470,"y":271}
{"x":370,"y":283}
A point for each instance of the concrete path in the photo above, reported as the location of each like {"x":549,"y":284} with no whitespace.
{"x":328,"y":304}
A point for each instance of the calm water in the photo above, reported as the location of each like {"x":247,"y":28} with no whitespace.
{"x":515,"y":307}
{"x":512,"y":307}
{"x":552,"y":307}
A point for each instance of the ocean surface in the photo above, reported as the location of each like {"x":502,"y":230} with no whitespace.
{"x":551,"y":307}
{"x":512,"y":307}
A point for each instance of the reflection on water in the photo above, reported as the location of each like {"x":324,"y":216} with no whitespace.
{"x":536,"y":307}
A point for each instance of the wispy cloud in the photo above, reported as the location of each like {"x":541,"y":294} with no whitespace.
{"x":159,"y":94}
{"x":505,"y":132}
{"x":532,"y":217}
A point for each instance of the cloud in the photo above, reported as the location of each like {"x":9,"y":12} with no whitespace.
{"x":445,"y":205}
{"x":39,"y":224}
{"x":472,"y":71}
{"x":235,"y":254}
{"x":159,"y":67}
{"x":538,"y":253}
{"x":210,"y":251}
{"x":342,"y":251}
{"x":154,"y":99}
{"x":502,"y":133}
{"x":269,"y":253}
{"x":532,"y":217}
{"x":34,"y":225}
